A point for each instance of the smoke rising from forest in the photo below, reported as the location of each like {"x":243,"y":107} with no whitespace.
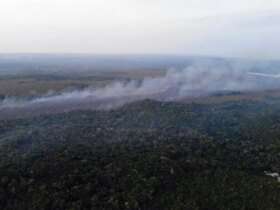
{"x":200,"y":79}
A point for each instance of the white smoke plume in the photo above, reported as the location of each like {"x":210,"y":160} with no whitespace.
{"x":193,"y":81}
{"x":276,"y":76}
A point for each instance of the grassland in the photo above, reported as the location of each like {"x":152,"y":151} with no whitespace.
{"x":40,"y":84}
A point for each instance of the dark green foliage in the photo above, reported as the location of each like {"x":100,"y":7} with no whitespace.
{"x":146,"y":155}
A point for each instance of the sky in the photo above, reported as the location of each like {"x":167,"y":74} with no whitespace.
{"x":232,"y":28}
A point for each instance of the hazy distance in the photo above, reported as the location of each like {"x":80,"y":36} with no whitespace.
{"x":240,"y":28}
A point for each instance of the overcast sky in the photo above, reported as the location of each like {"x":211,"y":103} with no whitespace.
{"x":243,"y":28}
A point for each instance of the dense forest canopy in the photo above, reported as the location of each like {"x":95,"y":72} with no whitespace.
{"x":145,"y":155}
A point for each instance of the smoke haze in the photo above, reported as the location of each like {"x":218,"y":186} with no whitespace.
{"x":240,"y":28}
{"x":201,"y":79}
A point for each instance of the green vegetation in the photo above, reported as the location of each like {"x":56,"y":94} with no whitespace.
{"x":145,"y":155}
{"x":40,"y":83}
